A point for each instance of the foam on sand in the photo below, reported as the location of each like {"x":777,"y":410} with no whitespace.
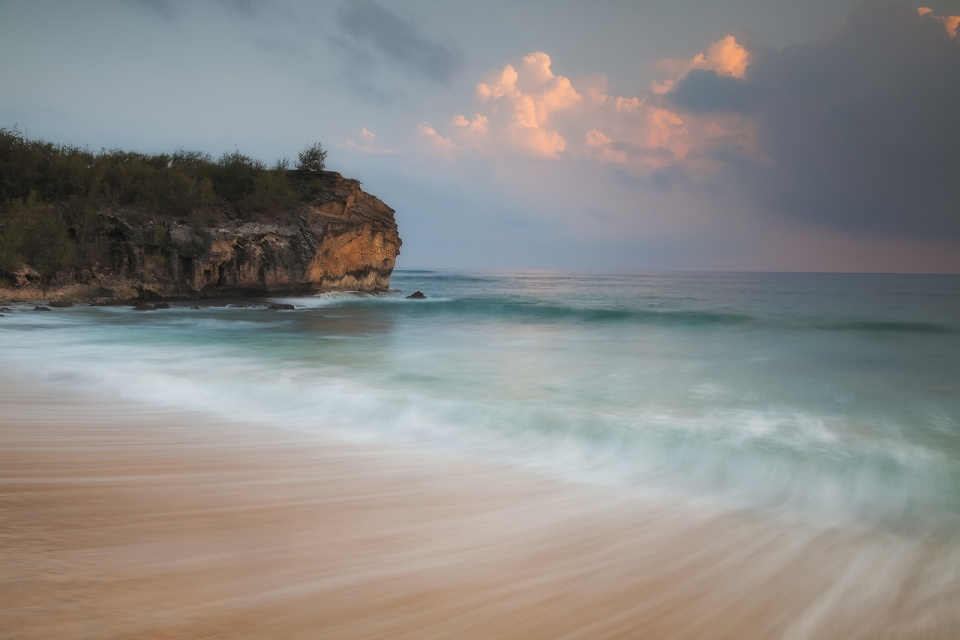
{"x":122,"y":521}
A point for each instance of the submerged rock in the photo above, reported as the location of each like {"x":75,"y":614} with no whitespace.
{"x":143,"y":306}
{"x":41,"y":308}
{"x":60,"y":304}
{"x":162,"y":305}
{"x":416,"y":295}
{"x":281,"y":306}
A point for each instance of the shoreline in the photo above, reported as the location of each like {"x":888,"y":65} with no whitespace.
{"x":60,"y":298}
{"x":123,"y":521}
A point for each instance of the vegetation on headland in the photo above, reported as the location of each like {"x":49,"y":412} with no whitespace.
{"x":52,"y":196}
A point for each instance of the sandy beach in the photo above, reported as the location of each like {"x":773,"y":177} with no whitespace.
{"x":120,"y":521}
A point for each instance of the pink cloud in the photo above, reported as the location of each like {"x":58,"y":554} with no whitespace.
{"x":526,"y":109}
{"x":435,"y":142}
{"x":368,"y":144}
{"x":952,"y":23}
{"x":725,"y":56}
{"x":522,"y":100}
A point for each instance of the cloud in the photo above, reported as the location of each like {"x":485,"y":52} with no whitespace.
{"x":435,"y":142}
{"x":527,"y":109}
{"x":860,"y":129}
{"x":952,"y":23}
{"x":522,"y":102}
{"x":367,"y":144}
{"x":398,"y":42}
{"x":704,"y":91}
{"x":856,"y":131}
{"x":726,"y":57}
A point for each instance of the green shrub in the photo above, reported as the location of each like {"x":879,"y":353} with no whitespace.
{"x":312,"y":158}
{"x":34,"y":233}
{"x":50,"y":195}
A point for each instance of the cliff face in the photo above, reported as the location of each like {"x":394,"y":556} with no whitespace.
{"x":343,"y":239}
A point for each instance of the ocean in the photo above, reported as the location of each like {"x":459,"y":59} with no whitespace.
{"x":827,"y":399}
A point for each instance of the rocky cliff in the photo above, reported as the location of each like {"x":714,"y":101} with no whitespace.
{"x":341,"y":239}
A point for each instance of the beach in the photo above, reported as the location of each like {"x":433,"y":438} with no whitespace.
{"x":119,"y":520}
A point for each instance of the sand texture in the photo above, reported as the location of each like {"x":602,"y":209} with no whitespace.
{"x":118,"y":521}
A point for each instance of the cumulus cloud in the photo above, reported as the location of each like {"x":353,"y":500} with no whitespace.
{"x":435,"y":143}
{"x":398,"y":42}
{"x":367,"y":144}
{"x":522,"y":100}
{"x":725,"y":57}
{"x":952,"y":23}
{"x":526,"y":108}
{"x":856,"y":131}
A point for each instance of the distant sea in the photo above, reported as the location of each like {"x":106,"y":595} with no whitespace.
{"x":831,"y":399}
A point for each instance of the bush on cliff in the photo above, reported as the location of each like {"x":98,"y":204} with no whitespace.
{"x":51,"y":195}
{"x":34,"y":233}
{"x":312,"y":158}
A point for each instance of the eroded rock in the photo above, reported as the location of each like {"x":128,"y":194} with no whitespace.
{"x":343,"y":239}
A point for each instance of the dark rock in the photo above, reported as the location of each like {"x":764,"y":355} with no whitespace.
{"x":281,"y":306}
{"x":162,"y":305}
{"x":5,"y":309}
{"x":41,"y":308}
{"x":416,"y":295}
{"x":143,"y":306}
{"x":197,"y":308}
{"x":60,"y":304}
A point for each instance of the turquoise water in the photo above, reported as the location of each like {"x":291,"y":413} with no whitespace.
{"x":833,"y":399}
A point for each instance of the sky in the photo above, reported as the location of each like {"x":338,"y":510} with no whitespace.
{"x":697,"y":135}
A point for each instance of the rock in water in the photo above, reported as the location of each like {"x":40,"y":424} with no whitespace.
{"x":40,"y":308}
{"x":416,"y":295}
{"x":143,"y":306}
{"x":281,"y":306}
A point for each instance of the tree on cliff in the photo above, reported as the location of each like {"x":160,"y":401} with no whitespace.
{"x":312,"y":158}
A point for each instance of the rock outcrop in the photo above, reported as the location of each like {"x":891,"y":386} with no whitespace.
{"x":342,"y":239}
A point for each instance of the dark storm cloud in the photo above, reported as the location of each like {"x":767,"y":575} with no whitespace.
{"x":366,"y":25}
{"x":703,"y":91}
{"x":862,"y":129}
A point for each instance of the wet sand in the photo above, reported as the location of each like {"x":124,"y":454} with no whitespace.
{"x":118,"y":521}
